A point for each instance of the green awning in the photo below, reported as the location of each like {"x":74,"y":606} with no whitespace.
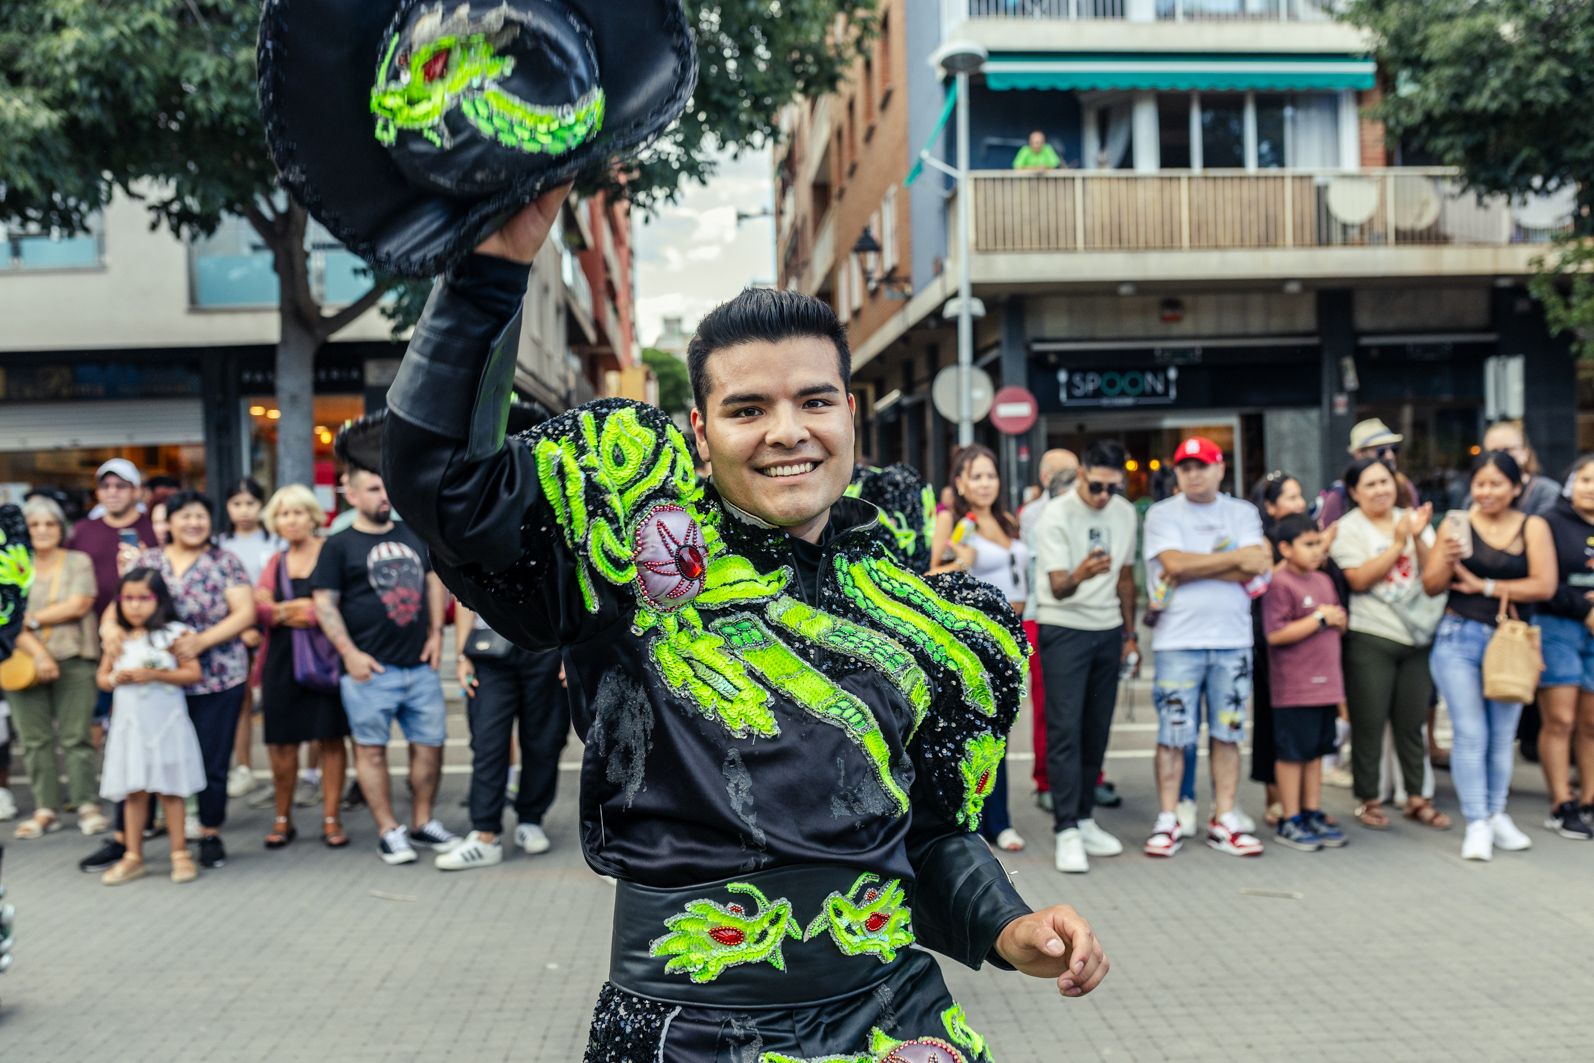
{"x":1182,"y":73}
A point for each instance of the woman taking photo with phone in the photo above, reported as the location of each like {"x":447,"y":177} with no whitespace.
{"x":1512,"y":565}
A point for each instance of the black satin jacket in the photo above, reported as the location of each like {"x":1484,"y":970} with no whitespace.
{"x":748,"y":701}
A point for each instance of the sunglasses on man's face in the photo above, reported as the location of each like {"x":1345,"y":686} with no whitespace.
{"x":1098,"y":488}
{"x":1388,"y":450}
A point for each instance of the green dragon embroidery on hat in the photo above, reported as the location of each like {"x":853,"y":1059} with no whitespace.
{"x":868,"y":920}
{"x":440,"y":63}
{"x":708,"y":936}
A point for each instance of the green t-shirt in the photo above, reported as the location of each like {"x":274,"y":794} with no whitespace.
{"x":1030,"y":159}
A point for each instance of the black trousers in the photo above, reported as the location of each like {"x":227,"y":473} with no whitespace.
{"x":215,"y":718}
{"x":1080,"y":670}
{"x":522,"y":688}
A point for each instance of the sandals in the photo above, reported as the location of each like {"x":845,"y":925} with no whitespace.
{"x":1274,"y":814}
{"x":279,"y":838}
{"x":332,"y":835}
{"x":183,"y":869}
{"x":125,"y":870}
{"x":1422,"y":811}
{"x":38,"y":825}
{"x":1370,"y":815}
{"x":91,"y":821}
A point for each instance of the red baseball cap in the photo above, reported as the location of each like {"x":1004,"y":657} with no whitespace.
{"x":1197,"y":448}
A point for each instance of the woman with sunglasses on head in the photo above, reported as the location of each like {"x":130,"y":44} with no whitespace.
{"x":979,"y":535}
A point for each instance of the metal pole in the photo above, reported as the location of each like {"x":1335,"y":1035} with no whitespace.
{"x":965,"y":293}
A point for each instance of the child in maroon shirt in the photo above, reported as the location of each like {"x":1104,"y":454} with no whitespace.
{"x":1304,"y":622}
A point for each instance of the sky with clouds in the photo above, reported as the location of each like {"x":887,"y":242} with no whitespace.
{"x":691,"y":255}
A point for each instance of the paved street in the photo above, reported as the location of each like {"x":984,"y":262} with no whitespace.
{"x":1392,"y":948}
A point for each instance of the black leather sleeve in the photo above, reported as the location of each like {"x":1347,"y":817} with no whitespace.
{"x":962,"y":899}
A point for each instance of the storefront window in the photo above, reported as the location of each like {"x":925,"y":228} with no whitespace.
{"x":68,"y":475}
{"x":262,"y":414}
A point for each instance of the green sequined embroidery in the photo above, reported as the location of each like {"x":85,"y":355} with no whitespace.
{"x":960,"y":1033}
{"x":16,"y":570}
{"x":709,"y":937}
{"x":457,"y":64}
{"x":861,"y":644}
{"x":805,"y":685}
{"x":868,"y":920}
{"x":981,"y":757}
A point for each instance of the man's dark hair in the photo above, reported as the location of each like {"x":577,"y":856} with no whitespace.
{"x":1104,"y":454}
{"x":156,"y":483}
{"x":1292,"y":527}
{"x":766,"y":315}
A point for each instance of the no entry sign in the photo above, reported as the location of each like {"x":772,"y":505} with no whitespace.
{"x":1013,"y":410}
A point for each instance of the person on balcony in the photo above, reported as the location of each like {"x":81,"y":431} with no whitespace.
{"x":1037,"y":154}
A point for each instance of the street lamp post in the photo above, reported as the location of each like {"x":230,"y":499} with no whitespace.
{"x":961,"y":59}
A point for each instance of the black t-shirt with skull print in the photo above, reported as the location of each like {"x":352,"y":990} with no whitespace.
{"x":381,"y":581}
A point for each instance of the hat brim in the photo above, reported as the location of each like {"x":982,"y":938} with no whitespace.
{"x":317,"y":60}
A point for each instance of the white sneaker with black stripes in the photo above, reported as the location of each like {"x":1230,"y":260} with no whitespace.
{"x":473,"y":852}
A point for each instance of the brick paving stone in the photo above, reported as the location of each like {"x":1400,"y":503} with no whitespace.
{"x":1391,"y":948}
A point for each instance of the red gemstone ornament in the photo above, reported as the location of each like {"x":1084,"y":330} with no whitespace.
{"x":985,"y":780}
{"x":875,"y":923}
{"x":728,"y":936}
{"x":434,"y":67}
{"x":671,"y":557}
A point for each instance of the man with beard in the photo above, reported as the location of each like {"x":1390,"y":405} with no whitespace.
{"x":789,"y":735}
{"x":382,"y":606}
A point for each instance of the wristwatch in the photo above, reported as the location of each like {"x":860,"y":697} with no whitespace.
{"x":1322,"y":618}
{"x":33,"y":625}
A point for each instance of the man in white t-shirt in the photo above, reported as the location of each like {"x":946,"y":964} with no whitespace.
{"x":1085,"y":550}
{"x":1203,"y":548}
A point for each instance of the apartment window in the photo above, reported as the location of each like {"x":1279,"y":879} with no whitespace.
{"x":1173,"y":130}
{"x":852,"y":134}
{"x":27,"y":249}
{"x":888,"y":230}
{"x":868,"y":89}
{"x":1222,"y":130}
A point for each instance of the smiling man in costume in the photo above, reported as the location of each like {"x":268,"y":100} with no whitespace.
{"x":789,"y":734}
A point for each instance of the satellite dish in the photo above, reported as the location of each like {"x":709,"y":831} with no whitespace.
{"x":1551,"y":211}
{"x":1351,"y":200}
{"x":1417,"y":203}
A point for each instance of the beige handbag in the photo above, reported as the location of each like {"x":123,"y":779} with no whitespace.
{"x":1512,"y":663}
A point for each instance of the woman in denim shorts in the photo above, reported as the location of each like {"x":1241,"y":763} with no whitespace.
{"x":1566,"y":625}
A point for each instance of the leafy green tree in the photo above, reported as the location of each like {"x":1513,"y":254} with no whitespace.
{"x":675,"y":385}
{"x":1503,"y":90}
{"x":156,"y":99}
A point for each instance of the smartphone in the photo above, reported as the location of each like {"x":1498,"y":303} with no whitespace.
{"x":128,"y":536}
{"x":1097,"y":538}
{"x":1460,"y":528}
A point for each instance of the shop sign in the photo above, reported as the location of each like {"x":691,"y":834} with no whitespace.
{"x":1118,"y":387}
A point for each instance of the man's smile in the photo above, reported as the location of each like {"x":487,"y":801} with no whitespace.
{"x":790,"y":470}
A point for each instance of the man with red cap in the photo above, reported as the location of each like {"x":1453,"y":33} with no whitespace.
{"x":1204,"y":550}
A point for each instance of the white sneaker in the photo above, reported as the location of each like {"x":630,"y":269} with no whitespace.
{"x":1071,"y":858}
{"x":395,"y":848}
{"x":240,"y":781}
{"x":1507,"y":835}
{"x":471,"y":853}
{"x":8,"y":805}
{"x":306,"y":793}
{"x":1185,"y":812}
{"x":1242,"y":821}
{"x":532,"y":839}
{"x":1479,"y":842}
{"x":434,"y":834}
{"x":1097,"y":841}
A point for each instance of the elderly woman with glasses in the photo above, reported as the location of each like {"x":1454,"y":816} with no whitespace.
{"x":55,"y":713}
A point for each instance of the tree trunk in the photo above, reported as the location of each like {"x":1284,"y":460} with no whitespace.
{"x":296,"y":400}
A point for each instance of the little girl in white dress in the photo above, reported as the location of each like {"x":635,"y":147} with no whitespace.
{"x":151,"y":747}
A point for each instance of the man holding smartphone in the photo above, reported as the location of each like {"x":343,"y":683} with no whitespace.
{"x":1085,"y":546}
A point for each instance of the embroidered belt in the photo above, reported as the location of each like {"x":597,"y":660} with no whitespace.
{"x":792,"y":936}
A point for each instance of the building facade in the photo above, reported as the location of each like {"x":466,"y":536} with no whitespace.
{"x":129,"y":342}
{"x":1229,"y":247}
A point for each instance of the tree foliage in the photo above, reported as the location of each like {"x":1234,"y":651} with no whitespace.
{"x":1504,"y":91}
{"x":156,"y":99}
{"x":675,"y":384}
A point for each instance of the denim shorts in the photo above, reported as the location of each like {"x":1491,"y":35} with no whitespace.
{"x":1221,"y":679}
{"x":1568,"y":647}
{"x":413,"y":696}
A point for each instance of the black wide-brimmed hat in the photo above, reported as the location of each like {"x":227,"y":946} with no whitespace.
{"x":413,"y":128}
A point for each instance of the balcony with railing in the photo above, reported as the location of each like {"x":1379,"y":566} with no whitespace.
{"x":1082,"y":226}
{"x":1149,"y":25}
{"x":233,"y":269}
